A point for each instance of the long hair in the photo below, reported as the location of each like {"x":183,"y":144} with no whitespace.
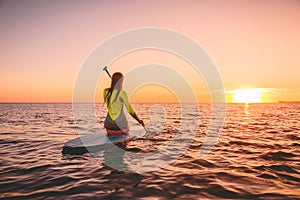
{"x":116,"y":83}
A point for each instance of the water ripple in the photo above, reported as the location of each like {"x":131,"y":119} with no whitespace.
{"x":257,"y":155}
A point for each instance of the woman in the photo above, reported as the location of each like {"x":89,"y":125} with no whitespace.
{"x":115,"y":98}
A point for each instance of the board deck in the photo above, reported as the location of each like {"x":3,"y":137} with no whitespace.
{"x":97,"y":139}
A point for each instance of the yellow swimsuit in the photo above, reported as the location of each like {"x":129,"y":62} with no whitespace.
{"x":115,"y":119}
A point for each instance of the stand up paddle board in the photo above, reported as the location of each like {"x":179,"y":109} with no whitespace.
{"x":96,"y":140}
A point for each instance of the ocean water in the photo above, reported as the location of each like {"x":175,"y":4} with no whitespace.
{"x":257,"y":155}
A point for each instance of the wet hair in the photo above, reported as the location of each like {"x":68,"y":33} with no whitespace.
{"x":116,"y":83}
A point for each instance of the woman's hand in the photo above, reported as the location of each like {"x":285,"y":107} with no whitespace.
{"x":142,"y":122}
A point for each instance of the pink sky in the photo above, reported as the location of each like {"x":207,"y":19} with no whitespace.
{"x":254,"y":44}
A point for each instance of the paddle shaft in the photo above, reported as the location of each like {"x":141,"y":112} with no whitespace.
{"x":106,"y":70}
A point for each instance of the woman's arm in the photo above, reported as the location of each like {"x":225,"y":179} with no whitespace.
{"x":129,"y":107}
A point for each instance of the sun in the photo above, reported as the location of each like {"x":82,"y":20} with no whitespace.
{"x":251,"y":95}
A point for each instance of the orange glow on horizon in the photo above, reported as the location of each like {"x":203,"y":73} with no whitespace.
{"x":153,"y":94}
{"x":251,"y":95}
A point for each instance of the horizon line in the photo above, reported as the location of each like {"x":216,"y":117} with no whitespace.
{"x":62,"y":102}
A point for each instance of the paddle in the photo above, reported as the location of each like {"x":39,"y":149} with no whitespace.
{"x":106,"y":70}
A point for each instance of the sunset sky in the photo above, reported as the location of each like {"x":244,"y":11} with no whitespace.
{"x":253,"y":44}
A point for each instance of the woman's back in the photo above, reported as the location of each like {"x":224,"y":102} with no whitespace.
{"x":115,"y":103}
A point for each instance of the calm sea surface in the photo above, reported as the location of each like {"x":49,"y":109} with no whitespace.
{"x":257,"y":155}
